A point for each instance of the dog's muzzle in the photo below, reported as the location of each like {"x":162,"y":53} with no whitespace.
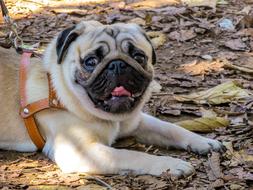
{"x":117,"y":84}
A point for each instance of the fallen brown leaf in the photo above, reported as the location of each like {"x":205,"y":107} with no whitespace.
{"x":201,"y":67}
{"x":246,"y":10}
{"x":223,"y":93}
{"x":182,"y":35}
{"x":171,"y":10}
{"x":171,"y":110}
{"x":197,"y":3}
{"x":155,"y":183}
{"x":157,"y":38}
{"x":245,"y":32}
{"x":236,"y":67}
{"x":153,"y":3}
{"x":138,"y":21}
{"x":216,"y":184}
{"x":214,"y":164}
{"x":236,"y":44}
{"x":240,"y":157}
{"x":204,"y":124}
{"x":247,"y":20}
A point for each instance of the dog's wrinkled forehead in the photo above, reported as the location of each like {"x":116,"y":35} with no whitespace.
{"x":92,"y":35}
{"x":117,"y":38}
{"x":120,"y":32}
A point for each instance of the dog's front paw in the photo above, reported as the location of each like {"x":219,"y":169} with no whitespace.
{"x":203,"y":145}
{"x":174,"y":166}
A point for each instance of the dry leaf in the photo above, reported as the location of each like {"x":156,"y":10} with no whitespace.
{"x":197,"y":3}
{"x":222,"y":2}
{"x":216,"y":184}
{"x":207,"y":113}
{"x":246,"y":10}
{"x":153,"y":3}
{"x":201,"y":67}
{"x":241,"y":173}
{"x":157,"y":38}
{"x":240,"y":157}
{"x":204,"y":124}
{"x":214,"y":164}
{"x":236,"y":67}
{"x":182,"y":35}
{"x":169,"y":110}
{"x":223,"y":93}
{"x":236,"y":44}
{"x":148,"y":19}
{"x":155,"y":183}
{"x":247,"y":20}
{"x":155,"y":86}
{"x":91,"y":187}
{"x":236,"y":187}
{"x":138,"y":21}
{"x":228,"y":55}
{"x":171,"y":10}
{"x":71,"y":11}
{"x":117,"y":5}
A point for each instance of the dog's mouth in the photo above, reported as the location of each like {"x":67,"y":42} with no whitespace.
{"x":120,"y":92}
{"x":112,"y":94}
{"x":120,"y":100}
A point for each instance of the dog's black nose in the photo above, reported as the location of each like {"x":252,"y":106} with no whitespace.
{"x":117,"y":66}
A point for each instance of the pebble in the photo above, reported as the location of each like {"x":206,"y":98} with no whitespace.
{"x":207,"y":57}
{"x":226,"y":24}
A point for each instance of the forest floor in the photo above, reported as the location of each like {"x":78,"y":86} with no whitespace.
{"x":198,"y":47}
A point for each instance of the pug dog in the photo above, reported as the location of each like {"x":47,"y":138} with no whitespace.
{"x":103,"y":75}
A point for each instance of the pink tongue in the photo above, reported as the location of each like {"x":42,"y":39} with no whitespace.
{"x":120,"y":91}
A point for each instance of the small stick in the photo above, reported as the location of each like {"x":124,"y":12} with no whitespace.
{"x":162,"y":94}
{"x":27,"y":169}
{"x":148,"y":149}
{"x":99,"y":181}
{"x":243,"y":69}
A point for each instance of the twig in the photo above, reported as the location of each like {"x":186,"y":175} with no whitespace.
{"x":148,"y":149}
{"x":99,"y":181}
{"x":243,"y":69}
{"x":162,"y":94}
{"x":45,"y":167}
{"x":36,"y":41}
{"x":27,"y":169}
{"x":186,"y":18}
{"x":38,"y":3}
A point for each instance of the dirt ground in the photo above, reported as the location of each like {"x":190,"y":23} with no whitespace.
{"x":198,"y":47}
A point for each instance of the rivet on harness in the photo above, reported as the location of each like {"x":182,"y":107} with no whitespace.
{"x":27,"y":111}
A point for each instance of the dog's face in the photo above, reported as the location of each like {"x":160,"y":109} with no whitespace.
{"x":108,"y":65}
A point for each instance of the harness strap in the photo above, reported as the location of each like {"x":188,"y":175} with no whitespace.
{"x":28,"y":111}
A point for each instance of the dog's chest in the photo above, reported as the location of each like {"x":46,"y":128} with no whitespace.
{"x":109,"y":132}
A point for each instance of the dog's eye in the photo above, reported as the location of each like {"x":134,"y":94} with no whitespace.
{"x":90,"y":63}
{"x":140,"y":58}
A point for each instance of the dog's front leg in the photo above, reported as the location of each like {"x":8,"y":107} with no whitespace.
{"x":101,"y":159}
{"x":155,"y":131}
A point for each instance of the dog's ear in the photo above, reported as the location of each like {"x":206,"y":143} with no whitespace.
{"x":65,"y":38}
{"x":153,"y":54}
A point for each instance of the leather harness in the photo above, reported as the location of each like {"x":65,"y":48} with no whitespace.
{"x":28,"y":111}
